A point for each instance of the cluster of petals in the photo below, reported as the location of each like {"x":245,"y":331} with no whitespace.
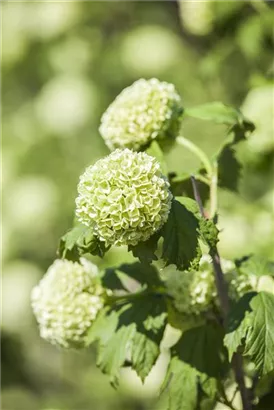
{"x":66,"y":302}
{"x":124,"y":198}
{"x":142,"y":112}
{"x":194,"y":292}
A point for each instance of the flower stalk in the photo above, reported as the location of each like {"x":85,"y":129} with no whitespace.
{"x":237,"y":362}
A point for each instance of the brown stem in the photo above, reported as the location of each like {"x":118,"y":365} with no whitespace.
{"x":237,"y":362}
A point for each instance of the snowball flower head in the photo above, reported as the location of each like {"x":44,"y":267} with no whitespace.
{"x":66,"y":302}
{"x":124,"y":197}
{"x":195,"y":292}
{"x":142,"y":112}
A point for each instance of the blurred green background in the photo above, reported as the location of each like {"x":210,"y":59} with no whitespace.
{"x":62,"y":64}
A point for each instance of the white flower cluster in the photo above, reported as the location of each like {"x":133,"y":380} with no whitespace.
{"x":147,"y":110}
{"x":124,"y":198}
{"x":66,"y":302}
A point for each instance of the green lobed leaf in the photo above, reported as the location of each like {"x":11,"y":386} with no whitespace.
{"x":238,"y":324}
{"x":79,"y":241}
{"x":259,"y":344}
{"x":195,"y":348}
{"x":145,"y":251}
{"x":229,"y":168}
{"x":255,"y":265}
{"x":217,"y":112}
{"x":144,"y":274}
{"x":130,"y":333}
{"x":252,"y":325}
{"x":180,"y":386}
{"x":180,"y":233}
{"x":208,"y":231}
{"x":194,"y":368}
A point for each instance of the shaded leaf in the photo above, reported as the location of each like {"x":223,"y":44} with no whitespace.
{"x":130,"y":334}
{"x":238,"y":324}
{"x":255,"y":265}
{"x":180,"y":233}
{"x":252,"y":325}
{"x":180,"y":385}
{"x":145,"y":251}
{"x":195,"y":348}
{"x":142,"y":273}
{"x":259,"y":344}
{"x":79,"y":241}
{"x":229,"y":168}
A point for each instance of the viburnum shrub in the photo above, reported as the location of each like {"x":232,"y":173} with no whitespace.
{"x":224,"y":309}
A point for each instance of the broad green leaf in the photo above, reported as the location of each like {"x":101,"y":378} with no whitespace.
{"x":256,"y":265}
{"x":180,"y":233}
{"x":130,"y":333}
{"x":229,"y":168}
{"x":198,"y":361}
{"x":180,"y":385}
{"x":155,"y":151}
{"x":252,"y":326}
{"x":79,"y":241}
{"x":145,"y":251}
{"x":113,"y":354}
{"x":238,"y":324}
{"x":217,"y":112}
{"x":68,"y":243}
{"x":208,"y":231}
{"x":144,"y":274}
{"x":259,"y":344}
{"x":195,"y":349}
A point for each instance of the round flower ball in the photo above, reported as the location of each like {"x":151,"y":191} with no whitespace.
{"x":145,"y":111}
{"x":194,"y":292}
{"x":66,"y":302}
{"x":124,"y":198}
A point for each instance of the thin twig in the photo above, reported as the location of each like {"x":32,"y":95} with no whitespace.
{"x":237,"y":361}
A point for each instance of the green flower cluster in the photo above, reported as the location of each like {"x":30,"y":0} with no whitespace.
{"x":147,"y":110}
{"x":66,"y":302}
{"x":193,"y":292}
{"x":124,"y":198}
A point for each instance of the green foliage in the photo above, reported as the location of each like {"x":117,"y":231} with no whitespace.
{"x":255,"y":330}
{"x":238,"y":323}
{"x":144,"y":274}
{"x":79,"y":241}
{"x":180,"y":233}
{"x":216,"y":112}
{"x":130,"y":334}
{"x":194,"y":366}
{"x":145,"y":250}
{"x":255,"y":265}
{"x":180,"y":385}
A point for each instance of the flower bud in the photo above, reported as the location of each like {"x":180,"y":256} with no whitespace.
{"x":144,"y":111}
{"x":66,"y":302}
{"x":124,"y":198}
